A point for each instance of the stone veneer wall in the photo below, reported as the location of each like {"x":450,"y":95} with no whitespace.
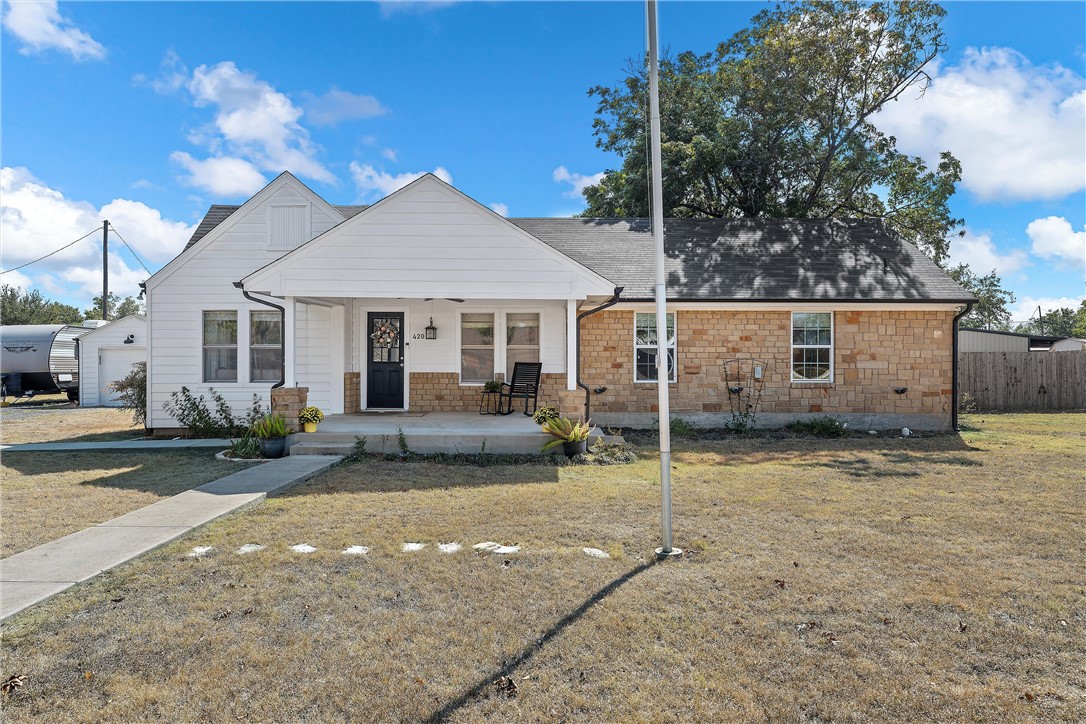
{"x":352,"y":391}
{"x":288,"y":402}
{"x":442,"y":392}
{"x":874,"y":353}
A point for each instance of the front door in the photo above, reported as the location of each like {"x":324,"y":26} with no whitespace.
{"x":384,"y":388}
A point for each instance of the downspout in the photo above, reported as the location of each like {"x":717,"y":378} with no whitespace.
{"x":587,"y":392}
{"x":954,"y":364}
{"x":282,"y":332}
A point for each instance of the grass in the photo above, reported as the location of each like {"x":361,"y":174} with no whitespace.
{"x":51,"y":418}
{"x":928,"y":578}
{"x":47,"y":495}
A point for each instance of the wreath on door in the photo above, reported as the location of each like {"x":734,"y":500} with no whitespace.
{"x":385,"y":335}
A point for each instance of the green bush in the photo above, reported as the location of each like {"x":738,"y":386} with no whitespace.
{"x":198,"y":419}
{"x":682,"y":428}
{"x":824,"y":426}
{"x":133,"y":392}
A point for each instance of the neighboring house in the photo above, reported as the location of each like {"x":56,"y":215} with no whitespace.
{"x":991,"y":340}
{"x":106,"y":355}
{"x":845,"y":318}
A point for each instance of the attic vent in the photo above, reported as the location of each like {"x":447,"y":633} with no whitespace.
{"x":288,"y":226}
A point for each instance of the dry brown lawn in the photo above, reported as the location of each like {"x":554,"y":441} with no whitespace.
{"x":853,"y":580}
{"x":51,"y":418}
{"x":47,"y":495}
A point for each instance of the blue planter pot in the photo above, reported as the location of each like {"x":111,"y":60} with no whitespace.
{"x":273,"y":447}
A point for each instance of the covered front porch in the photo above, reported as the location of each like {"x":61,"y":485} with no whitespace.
{"x":422,"y":432}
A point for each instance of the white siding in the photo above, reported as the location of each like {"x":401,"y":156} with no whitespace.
{"x":202,"y":279}
{"x":90,"y":346}
{"x":288,"y":226}
{"x":428,"y":240}
{"x":313,"y":354}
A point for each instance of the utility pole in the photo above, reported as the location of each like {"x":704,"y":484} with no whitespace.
{"x":105,"y":270}
{"x":663,"y":371}
{"x":1041,"y":319}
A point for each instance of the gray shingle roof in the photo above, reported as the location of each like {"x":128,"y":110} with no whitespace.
{"x":753,"y":259}
{"x":736,"y":259}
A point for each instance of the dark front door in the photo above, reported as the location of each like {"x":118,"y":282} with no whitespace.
{"x":385,"y":347}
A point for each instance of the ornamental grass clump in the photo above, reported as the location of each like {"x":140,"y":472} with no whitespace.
{"x":565,"y":430}
{"x":270,"y":426}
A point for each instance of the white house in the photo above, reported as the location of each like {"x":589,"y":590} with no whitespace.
{"x":287,"y":291}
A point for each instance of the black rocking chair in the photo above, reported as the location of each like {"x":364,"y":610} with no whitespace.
{"x":525,"y":383}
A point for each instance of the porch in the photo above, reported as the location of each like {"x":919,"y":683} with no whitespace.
{"x":423,"y":432}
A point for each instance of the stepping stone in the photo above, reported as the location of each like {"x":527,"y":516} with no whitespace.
{"x":303,"y":548}
{"x":199,"y":551}
{"x":449,"y":547}
{"x":356,"y":551}
{"x":505,"y":550}
{"x":413,"y":547}
{"x":486,"y":547}
{"x":250,"y":548}
{"x":595,"y":553}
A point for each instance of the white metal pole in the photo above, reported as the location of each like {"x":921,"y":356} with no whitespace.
{"x":662,"y":372}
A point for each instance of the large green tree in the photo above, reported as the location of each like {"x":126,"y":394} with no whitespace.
{"x":990,"y":311}
{"x":1061,"y":322}
{"x":22,"y":307}
{"x":778,"y":123}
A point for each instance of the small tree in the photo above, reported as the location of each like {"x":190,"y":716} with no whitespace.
{"x":133,"y":391}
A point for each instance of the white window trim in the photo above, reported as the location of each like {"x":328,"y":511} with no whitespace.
{"x":236,"y":347}
{"x":505,"y":312}
{"x":792,"y":346}
{"x":249,"y":346}
{"x":499,"y":318}
{"x":636,"y":346}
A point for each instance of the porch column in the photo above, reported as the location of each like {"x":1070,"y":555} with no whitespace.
{"x":289,"y":338}
{"x":571,"y":344}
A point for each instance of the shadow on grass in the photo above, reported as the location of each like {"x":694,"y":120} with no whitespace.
{"x":528,"y":653}
{"x":151,"y":471}
{"x":893,"y":464}
{"x":374,"y":475}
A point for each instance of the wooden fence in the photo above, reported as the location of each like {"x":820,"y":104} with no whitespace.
{"x":1020,"y":381}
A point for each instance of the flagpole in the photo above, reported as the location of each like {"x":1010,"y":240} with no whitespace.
{"x":663,"y":374}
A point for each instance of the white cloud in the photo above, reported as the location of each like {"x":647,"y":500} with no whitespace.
{"x":982,"y":255}
{"x":1017,"y":128}
{"x":36,"y":219}
{"x":40,"y":27}
{"x":18,"y":280}
{"x":500,"y":208}
{"x":223,"y":176}
{"x":390,"y":154}
{"x":1053,"y":236}
{"x":413,"y":7}
{"x":1026,"y":307}
{"x":577,"y":181}
{"x":336,"y":105}
{"x":369,"y":180}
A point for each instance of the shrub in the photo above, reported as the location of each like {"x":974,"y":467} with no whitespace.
{"x":741,"y":422}
{"x":824,"y":426}
{"x":270,"y":426}
{"x":605,"y":452}
{"x":682,"y":428}
{"x":133,"y":392}
{"x":545,"y":413}
{"x":199,"y":420}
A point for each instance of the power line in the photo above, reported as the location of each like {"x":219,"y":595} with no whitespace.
{"x":114,"y":227}
{"x":21,"y":266}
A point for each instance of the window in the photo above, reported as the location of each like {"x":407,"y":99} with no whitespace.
{"x":265,"y":347}
{"x":812,"y":346}
{"x":521,"y":340}
{"x":220,"y":346}
{"x":645,"y":347}
{"x":476,"y":348}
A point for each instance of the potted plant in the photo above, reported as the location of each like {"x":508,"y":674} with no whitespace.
{"x":271,"y":433}
{"x":572,"y":435}
{"x":310,"y":417}
{"x":492,"y":386}
{"x":543,"y":414}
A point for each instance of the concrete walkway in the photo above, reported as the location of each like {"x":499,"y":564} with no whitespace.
{"x":114,"y":445}
{"x":35,"y":575}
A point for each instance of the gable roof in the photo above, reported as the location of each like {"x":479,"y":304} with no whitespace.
{"x":736,"y":259}
{"x":218,"y":213}
{"x":754,"y":259}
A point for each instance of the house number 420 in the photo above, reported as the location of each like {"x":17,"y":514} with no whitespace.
{"x":418,"y":336}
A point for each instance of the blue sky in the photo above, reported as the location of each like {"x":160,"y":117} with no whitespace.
{"x":146,"y":113}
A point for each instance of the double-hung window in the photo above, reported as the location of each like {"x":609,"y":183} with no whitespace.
{"x":476,"y":348}
{"x":220,"y":337}
{"x":521,"y":340}
{"x":812,"y":346}
{"x":645,"y":348}
{"x":265,"y":347}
